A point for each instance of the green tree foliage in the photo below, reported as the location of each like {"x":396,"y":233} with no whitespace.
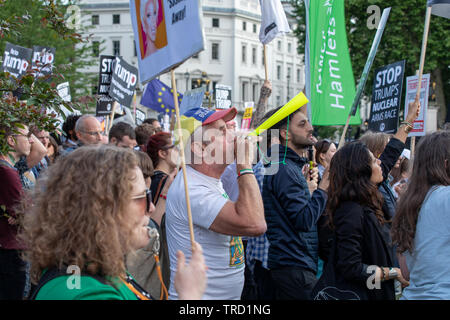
{"x":28,"y":23}
{"x":402,"y":39}
{"x":46,"y":26}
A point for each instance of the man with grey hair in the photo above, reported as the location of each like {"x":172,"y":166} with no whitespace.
{"x":218,"y":222}
{"x":88,"y":131}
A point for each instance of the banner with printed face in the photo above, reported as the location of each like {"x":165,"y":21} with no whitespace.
{"x":123,"y":82}
{"x":166,"y":33}
{"x":223,"y":96}
{"x":386,"y":97}
{"x":43,"y":59}
{"x":16,"y":60}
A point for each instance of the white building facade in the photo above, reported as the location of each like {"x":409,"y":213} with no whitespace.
{"x":233,"y":54}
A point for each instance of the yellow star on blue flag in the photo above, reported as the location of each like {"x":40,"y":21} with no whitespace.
{"x":159,"y":97}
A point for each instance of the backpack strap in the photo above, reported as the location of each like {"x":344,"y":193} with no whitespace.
{"x":158,"y":190}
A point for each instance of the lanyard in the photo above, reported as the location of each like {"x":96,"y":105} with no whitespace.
{"x":136,"y":289}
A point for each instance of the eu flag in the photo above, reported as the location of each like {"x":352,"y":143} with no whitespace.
{"x":159,"y":97}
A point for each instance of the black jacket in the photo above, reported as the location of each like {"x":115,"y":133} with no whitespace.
{"x":388,"y":159}
{"x":361,"y":241}
{"x":291,"y":214}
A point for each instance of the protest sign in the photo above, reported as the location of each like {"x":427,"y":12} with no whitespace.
{"x":192,"y":99}
{"x":104,"y":106}
{"x":223,"y":96}
{"x":123,"y":82}
{"x":247,"y":117}
{"x":365,"y":73}
{"x":105,"y":73}
{"x":105,"y":102}
{"x":43,"y":59}
{"x":386,"y":97}
{"x":64,"y":91}
{"x":166,"y":33}
{"x":140,"y":117}
{"x":16,"y":60}
{"x":419,"y":126}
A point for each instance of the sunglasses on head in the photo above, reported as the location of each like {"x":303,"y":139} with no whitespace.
{"x":148,"y":195}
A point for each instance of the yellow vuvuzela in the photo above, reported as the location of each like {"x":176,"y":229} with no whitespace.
{"x":295,"y":103}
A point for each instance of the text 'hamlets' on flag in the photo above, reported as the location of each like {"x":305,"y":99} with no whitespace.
{"x":330,"y":85}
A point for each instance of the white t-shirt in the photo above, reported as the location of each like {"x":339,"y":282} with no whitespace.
{"x":230,"y":183}
{"x":224,"y":254}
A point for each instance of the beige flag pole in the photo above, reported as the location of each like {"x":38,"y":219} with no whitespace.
{"x":421,"y":66}
{"x":182,"y":157}
{"x":110,"y":124}
{"x":265,"y":62}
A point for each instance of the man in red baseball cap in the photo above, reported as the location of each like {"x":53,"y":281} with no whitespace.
{"x":218,"y":221}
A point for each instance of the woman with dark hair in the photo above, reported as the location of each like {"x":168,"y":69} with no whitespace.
{"x":421,"y":226}
{"x":165,"y":156}
{"x":361,"y":256}
{"x":325,"y":150}
{"x":89,"y":212}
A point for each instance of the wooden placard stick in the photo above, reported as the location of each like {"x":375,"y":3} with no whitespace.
{"x":421,"y":66}
{"x":112,"y":115}
{"x":265,"y":62}
{"x":182,"y":158}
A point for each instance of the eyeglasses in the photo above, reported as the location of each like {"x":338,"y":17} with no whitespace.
{"x":148,"y":195}
{"x":92,"y":133}
{"x":168,"y":147}
{"x":28,"y":135}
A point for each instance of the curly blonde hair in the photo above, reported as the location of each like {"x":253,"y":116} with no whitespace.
{"x":78,"y":216}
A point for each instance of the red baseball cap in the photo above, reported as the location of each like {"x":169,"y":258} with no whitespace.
{"x":225,"y":114}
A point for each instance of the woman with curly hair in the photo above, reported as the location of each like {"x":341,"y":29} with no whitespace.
{"x":421,"y":224}
{"x":361,"y":250}
{"x":88,"y":214}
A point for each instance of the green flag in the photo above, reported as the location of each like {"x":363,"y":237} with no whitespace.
{"x":329,"y":76}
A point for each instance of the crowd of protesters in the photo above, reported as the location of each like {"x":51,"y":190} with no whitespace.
{"x":85,"y":215}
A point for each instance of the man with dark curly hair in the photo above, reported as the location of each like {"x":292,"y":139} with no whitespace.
{"x":122,"y":135}
{"x":69,"y":131}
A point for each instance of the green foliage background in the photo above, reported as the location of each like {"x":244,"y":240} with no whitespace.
{"x":402,"y":39}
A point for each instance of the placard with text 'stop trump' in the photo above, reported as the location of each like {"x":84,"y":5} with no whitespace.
{"x":166,"y":33}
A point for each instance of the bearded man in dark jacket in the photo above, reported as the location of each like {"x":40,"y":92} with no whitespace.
{"x":293,"y":205}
